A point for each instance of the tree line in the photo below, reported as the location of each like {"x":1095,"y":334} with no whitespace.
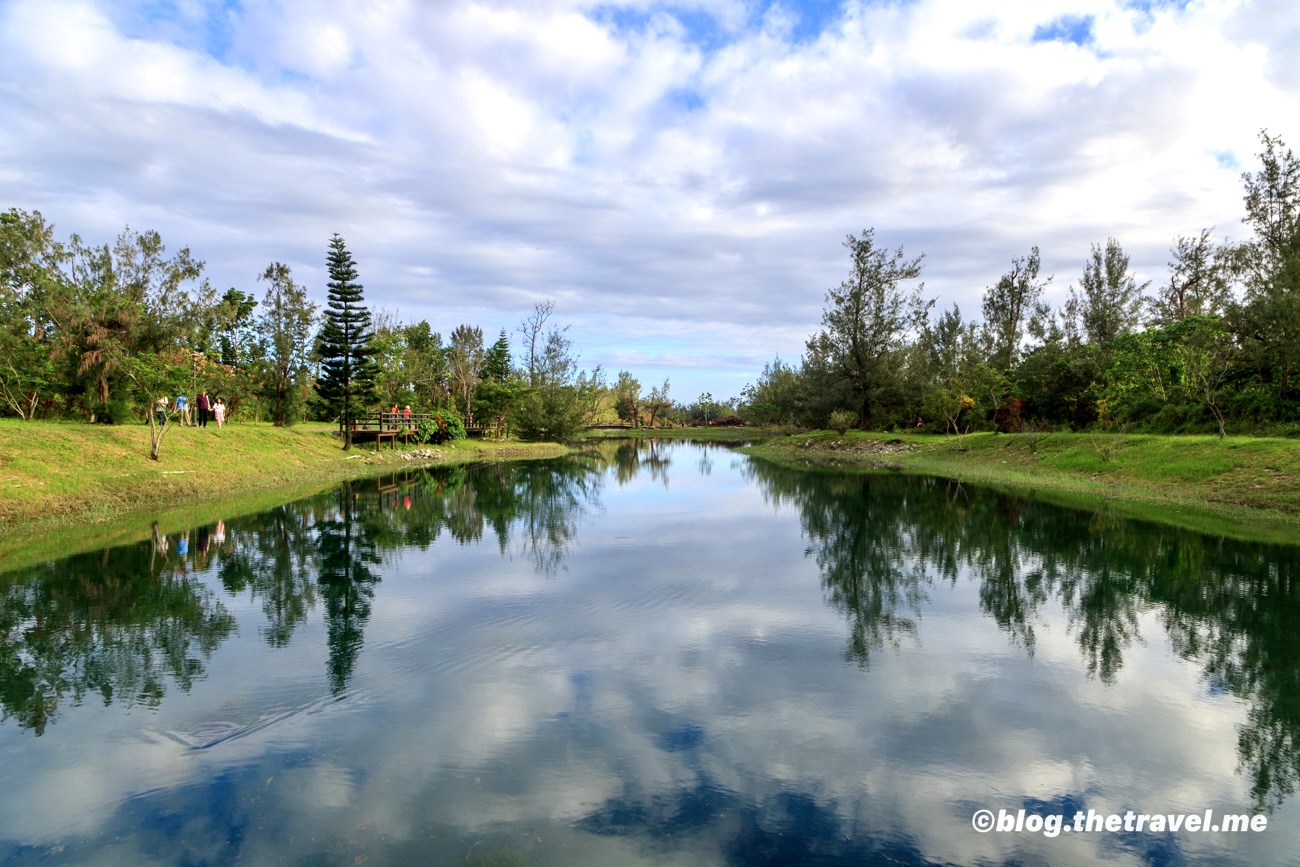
{"x":101,"y":333}
{"x":1212,"y":348}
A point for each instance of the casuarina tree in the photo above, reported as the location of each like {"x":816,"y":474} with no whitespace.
{"x":346,"y":344}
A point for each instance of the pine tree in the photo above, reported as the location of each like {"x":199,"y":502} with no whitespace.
{"x":346,"y":344}
{"x":496,"y":363}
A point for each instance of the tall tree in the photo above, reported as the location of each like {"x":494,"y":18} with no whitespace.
{"x":1107,"y":302}
{"x":496,"y":363}
{"x":393,"y":385}
{"x":466,"y":362}
{"x":865,"y":326}
{"x":533,"y":330}
{"x":1268,"y":320}
{"x":285,"y":328}
{"x":30,"y":259}
{"x":118,"y":302}
{"x":426,"y":364}
{"x":349,"y":373}
{"x":1008,"y":305}
{"x":627,"y":398}
{"x":657,"y":403}
{"x":1198,"y":281}
{"x":501,"y":387}
{"x":557,"y":405}
{"x":235,"y":321}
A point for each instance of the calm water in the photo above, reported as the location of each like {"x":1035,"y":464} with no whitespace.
{"x":649,"y":654}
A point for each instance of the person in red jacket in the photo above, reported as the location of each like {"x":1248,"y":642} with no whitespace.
{"x":202,"y":405}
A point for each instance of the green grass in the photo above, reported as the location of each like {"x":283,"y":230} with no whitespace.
{"x":1240,"y":486}
{"x":68,"y":481}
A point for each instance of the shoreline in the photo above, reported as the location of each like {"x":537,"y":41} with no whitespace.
{"x":71,"y":487}
{"x":1239,"y":487}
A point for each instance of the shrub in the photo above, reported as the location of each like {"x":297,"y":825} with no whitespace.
{"x":1009,"y":418}
{"x":116,"y":411}
{"x":842,"y":420}
{"x":439,"y":428}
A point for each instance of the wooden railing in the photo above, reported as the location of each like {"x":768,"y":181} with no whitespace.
{"x":400,"y":421}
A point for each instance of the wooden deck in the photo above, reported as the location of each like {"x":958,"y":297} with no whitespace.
{"x":379,"y":426}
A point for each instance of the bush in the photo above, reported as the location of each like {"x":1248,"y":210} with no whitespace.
{"x":554,"y":414}
{"x":116,"y":411}
{"x":841,"y":420}
{"x":1009,"y":418}
{"x":440,"y":428}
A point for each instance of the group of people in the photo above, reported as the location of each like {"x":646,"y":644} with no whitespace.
{"x":207,"y":408}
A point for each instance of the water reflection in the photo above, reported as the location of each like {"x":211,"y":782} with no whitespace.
{"x":883,"y":541}
{"x":581,"y":660}
{"x":634,"y":457}
{"x":118,"y":623}
{"x":125,"y":622}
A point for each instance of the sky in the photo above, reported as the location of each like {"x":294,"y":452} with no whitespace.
{"x":678,"y":177}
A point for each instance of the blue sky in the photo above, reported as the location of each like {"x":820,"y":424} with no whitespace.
{"x":678,"y":177}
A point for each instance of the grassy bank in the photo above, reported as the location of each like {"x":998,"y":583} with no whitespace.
{"x":1245,"y":487}
{"x":75,"y":486}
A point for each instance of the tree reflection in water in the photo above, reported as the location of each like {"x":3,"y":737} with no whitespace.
{"x":884,"y":541}
{"x":123,"y":621}
{"x":118,"y":622}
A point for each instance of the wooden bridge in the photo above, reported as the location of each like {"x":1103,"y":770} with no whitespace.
{"x":379,"y":426}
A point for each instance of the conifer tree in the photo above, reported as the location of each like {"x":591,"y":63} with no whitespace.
{"x":346,"y":344}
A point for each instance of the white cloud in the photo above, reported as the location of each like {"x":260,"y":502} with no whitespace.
{"x":480,"y":155}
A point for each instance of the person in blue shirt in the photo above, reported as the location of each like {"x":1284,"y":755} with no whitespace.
{"x":183,"y":409}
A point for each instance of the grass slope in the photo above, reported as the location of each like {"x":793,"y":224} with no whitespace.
{"x":1244,"y":487}
{"x":77,"y":486}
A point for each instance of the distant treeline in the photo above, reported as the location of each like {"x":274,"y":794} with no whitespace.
{"x":1211,"y":349}
{"x":102,"y":333}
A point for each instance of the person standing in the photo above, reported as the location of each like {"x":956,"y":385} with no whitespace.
{"x":202,"y":405}
{"x":219,"y":411}
{"x":160,"y":411}
{"x":183,"y":410}
{"x":406,"y":416}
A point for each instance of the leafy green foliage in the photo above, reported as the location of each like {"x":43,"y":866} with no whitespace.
{"x":441,"y":427}
{"x":1008,"y":305}
{"x":1107,"y":301}
{"x":285,"y":329}
{"x":841,"y":420}
{"x":854,"y":359}
{"x":560,"y":402}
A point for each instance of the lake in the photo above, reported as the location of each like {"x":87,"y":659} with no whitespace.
{"x":654,"y":653}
